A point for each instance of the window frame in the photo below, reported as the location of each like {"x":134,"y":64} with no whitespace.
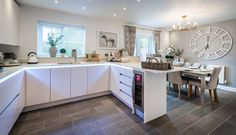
{"x":61,"y":26}
{"x":148,"y":34}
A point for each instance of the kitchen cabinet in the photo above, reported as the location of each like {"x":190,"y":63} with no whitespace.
{"x":125,"y":85}
{"x":79,"y":81}
{"x":37,"y":86}
{"x":9,"y":22}
{"x":114,"y":79}
{"x":60,"y":83}
{"x":98,"y":78}
{"x":12,"y":101}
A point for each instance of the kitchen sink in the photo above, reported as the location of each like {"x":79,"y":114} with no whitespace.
{"x":67,"y":63}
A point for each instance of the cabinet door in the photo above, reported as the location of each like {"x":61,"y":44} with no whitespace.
{"x":37,"y":86}
{"x":79,"y":81}
{"x":9,"y":22}
{"x":98,"y":76}
{"x":114,"y":79}
{"x":60,"y":83}
{"x":12,"y":101}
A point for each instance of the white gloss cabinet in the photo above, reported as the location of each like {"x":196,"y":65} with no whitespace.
{"x":98,"y":78}
{"x":9,"y":22}
{"x":15,"y":101}
{"x":79,"y":81}
{"x":37,"y":86}
{"x":114,"y":79}
{"x":60,"y":83}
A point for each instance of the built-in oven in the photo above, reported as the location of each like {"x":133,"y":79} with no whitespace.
{"x":138,"y":92}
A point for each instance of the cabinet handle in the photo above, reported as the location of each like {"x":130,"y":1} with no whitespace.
{"x":125,"y":84}
{"x":126,"y":76}
{"x":125,"y":93}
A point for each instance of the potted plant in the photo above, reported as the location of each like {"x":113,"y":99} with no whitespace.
{"x":63,"y":52}
{"x":178,"y":53}
{"x":53,"y":40}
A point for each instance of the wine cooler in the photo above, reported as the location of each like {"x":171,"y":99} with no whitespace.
{"x":138,"y":92}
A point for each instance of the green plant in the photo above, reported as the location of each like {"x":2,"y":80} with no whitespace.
{"x":63,"y":50}
{"x":179,"y":52}
{"x":169,"y":57}
{"x":53,"y":39}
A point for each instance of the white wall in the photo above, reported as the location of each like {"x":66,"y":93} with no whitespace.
{"x":164,"y":39}
{"x":9,"y":22}
{"x":28,"y":28}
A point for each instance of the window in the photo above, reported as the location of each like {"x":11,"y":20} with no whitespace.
{"x":73,"y":38}
{"x":144,"y":44}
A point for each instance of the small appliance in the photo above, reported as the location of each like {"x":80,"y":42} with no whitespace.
{"x":32,"y":58}
{"x":138,"y":93}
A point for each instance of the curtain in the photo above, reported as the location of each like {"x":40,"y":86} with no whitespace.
{"x":130,"y":36}
{"x":156,"y":35}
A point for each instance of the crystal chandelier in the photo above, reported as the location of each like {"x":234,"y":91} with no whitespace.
{"x":185,"y":25}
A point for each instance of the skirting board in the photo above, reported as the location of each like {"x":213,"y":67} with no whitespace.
{"x":36,"y":107}
{"x":227,"y":88}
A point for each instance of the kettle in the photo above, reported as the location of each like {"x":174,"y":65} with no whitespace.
{"x":32,"y":58}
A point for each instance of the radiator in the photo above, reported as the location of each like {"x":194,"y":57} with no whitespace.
{"x":222,"y":73}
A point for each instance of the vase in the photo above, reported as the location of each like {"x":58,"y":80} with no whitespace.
{"x":53,"y":51}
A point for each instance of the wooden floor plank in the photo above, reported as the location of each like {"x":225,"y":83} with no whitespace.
{"x":107,"y":115}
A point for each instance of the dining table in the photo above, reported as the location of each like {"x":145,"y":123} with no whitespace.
{"x":202,"y":75}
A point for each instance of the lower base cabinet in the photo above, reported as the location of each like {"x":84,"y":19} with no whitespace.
{"x":60,"y":83}
{"x":98,"y":78}
{"x":79,"y":80}
{"x":37,"y":86}
{"x":10,"y":115}
{"x":13,"y":104}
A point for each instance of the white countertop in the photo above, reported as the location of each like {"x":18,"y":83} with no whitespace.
{"x":134,"y":65}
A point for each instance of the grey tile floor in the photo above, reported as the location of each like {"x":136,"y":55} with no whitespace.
{"x":106,"y":115}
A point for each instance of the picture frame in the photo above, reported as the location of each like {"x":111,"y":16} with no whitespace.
{"x":106,"y":39}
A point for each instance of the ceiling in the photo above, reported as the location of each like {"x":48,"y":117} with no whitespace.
{"x":152,"y":13}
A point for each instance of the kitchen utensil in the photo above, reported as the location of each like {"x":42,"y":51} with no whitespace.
{"x":32,"y":58}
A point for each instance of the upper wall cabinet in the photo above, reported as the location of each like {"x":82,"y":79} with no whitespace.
{"x":98,"y":78}
{"x":9,"y":22}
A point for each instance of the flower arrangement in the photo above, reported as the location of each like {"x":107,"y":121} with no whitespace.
{"x":54,"y":40}
{"x":179,"y":52}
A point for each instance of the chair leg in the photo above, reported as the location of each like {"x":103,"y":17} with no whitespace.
{"x":168,"y":87}
{"x":196,"y":89}
{"x":216,"y":96}
{"x":210,"y":94}
{"x":189,"y":90}
{"x":179,"y":88}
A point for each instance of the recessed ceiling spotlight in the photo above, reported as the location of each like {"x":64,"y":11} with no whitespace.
{"x":83,"y":7}
{"x":138,"y":0}
{"x":124,"y":8}
{"x":114,"y":14}
{"x":56,"y":1}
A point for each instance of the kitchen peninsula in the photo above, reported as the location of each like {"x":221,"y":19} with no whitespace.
{"x":44,"y":85}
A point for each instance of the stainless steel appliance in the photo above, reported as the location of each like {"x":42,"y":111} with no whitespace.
{"x":32,"y":58}
{"x":138,"y":93}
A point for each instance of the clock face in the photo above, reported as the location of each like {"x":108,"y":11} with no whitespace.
{"x":211,"y":43}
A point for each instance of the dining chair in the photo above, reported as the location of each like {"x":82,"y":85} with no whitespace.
{"x":175,"y":78}
{"x":211,"y":85}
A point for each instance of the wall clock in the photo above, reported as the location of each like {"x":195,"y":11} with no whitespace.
{"x":211,"y":43}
